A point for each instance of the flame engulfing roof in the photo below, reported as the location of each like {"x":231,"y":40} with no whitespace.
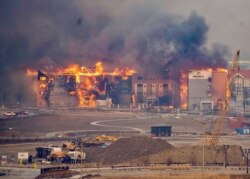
{"x":86,"y":83}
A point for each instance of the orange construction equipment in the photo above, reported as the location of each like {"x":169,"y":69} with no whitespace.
{"x":106,"y":138}
{"x":224,"y":105}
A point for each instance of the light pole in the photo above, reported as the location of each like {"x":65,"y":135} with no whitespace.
{"x":247,"y":151}
{"x":203,"y":148}
{"x":225,"y":147}
{"x":203,"y":154}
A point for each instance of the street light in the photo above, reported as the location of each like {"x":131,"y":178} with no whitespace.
{"x":204,"y":142}
{"x":203,"y":155}
{"x":247,"y":151}
{"x":225,"y":147}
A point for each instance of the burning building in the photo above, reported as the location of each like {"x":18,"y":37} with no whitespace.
{"x":77,"y":86}
{"x":205,"y":89}
{"x":199,"y":90}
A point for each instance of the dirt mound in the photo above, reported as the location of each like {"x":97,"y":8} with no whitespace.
{"x":126,"y":149}
{"x":194,"y":155}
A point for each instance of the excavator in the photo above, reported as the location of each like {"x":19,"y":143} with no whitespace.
{"x":213,"y":138}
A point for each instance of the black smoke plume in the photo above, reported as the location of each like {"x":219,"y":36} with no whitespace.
{"x":139,"y":34}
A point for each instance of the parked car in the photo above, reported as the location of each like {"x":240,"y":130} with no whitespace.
{"x":22,"y":113}
{"x":9,"y":113}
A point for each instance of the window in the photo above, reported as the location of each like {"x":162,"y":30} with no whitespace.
{"x":165,"y":85}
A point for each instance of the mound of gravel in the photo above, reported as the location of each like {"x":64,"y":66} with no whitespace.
{"x":126,"y":149}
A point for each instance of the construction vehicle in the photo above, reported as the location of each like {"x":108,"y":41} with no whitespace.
{"x":106,"y":138}
{"x":67,"y":153}
{"x":71,"y":146}
{"x":57,"y":156}
{"x":213,"y":139}
{"x":76,"y":156}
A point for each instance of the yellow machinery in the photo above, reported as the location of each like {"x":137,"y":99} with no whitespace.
{"x":106,"y":138}
{"x":57,"y":155}
{"x":224,"y":105}
{"x":69,"y":146}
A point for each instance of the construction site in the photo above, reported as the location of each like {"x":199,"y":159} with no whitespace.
{"x":90,"y":123}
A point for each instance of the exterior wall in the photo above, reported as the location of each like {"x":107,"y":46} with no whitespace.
{"x":240,"y":87}
{"x":199,"y":90}
{"x":240,"y":90}
{"x":41,"y":83}
{"x":124,"y":88}
{"x":151,"y":88}
{"x":218,"y":86}
{"x":60,"y":98}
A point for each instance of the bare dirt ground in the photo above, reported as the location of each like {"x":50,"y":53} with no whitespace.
{"x":178,"y":176}
{"x":41,"y":124}
{"x":187,"y":133}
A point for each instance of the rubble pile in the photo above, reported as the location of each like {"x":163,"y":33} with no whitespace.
{"x":126,"y":149}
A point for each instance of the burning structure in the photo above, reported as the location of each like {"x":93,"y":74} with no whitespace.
{"x":81,"y":86}
{"x":202,"y":90}
{"x":199,"y":89}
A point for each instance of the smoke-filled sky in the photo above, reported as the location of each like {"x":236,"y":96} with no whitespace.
{"x":151,"y":36}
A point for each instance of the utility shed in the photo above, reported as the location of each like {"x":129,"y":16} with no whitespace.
{"x":161,"y":131}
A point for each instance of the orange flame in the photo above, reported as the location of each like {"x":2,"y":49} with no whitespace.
{"x":221,"y":70}
{"x":183,"y":90}
{"x":99,"y":68}
{"x":184,"y":87}
{"x":30,"y":72}
{"x":86,"y":80}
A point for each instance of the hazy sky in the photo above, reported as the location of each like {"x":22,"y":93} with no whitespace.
{"x":228,"y":21}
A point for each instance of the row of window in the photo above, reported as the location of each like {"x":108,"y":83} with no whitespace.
{"x":152,"y":85}
{"x":149,"y":94}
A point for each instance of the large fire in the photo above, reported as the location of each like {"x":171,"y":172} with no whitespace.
{"x":184,"y":85}
{"x":183,"y":90}
{"x":86,"y":83}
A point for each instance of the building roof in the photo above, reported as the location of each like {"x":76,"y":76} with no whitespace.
{"x":245,"y":73}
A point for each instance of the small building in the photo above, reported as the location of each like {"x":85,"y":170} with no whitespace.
{"x":161,"y":131}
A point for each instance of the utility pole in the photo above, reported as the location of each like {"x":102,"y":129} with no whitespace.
{"x":203,"y":154}
{"x":225,"y":147}
{"x":203,"y":148}
{"x":247,"y":151}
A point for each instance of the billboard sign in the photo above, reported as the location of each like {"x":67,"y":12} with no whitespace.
{"x":23,"y":155}
{"x":199,"y":74}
